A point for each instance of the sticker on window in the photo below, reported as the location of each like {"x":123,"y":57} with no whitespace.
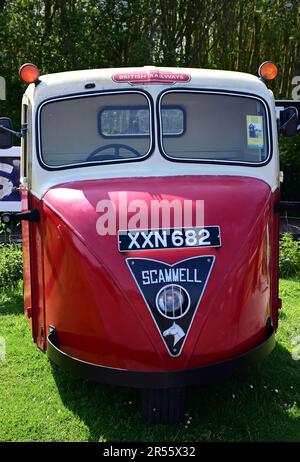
{"x":255,"y":132}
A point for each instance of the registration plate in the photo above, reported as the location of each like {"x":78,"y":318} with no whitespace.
{"x":172,"y":238}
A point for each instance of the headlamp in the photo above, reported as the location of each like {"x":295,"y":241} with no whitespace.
{"x":172,"y":301}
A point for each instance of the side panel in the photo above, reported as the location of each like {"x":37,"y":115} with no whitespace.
{"x":26,"y":260}
{"x":274,"y":271}
{"x":33,"y":271}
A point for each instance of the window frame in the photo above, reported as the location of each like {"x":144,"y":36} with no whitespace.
{"x":88,"y":95}
{"x":214,"y":161}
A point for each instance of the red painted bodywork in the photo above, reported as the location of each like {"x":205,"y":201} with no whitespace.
{"x":33,"y":266}
{"x":83,"y":287}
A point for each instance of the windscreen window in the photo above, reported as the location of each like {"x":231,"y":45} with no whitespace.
{"x":70,"y":135}
{"x":218,"y":127}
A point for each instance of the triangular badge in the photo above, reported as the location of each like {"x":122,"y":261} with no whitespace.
{"x":172,"y":294}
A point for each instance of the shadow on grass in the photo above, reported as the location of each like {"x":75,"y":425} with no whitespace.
{"x":260,"y":404}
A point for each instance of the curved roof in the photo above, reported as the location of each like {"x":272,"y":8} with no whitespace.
{"x":150,"y":78}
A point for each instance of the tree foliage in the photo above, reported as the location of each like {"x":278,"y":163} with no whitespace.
{"x":61,"y":35}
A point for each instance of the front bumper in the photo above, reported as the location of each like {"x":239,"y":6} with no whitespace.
{"x":167,"y":379}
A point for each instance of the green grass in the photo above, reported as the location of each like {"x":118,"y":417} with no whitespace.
{"x":39,"y":402}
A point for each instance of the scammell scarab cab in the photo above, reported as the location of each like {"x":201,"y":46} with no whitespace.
{"x":150,"y":213}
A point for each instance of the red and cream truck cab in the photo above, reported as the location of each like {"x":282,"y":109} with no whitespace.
{"x":150,"y":215}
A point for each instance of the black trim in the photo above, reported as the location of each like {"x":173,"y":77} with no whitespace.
{"x":285,"y":206}
{"x":27,"y":215}
{"x":167,"y":379}
{"x":212,"y":91}
{"x":90,"y":85}
{"x":84,"y":95}
{"x":25,"y":141}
